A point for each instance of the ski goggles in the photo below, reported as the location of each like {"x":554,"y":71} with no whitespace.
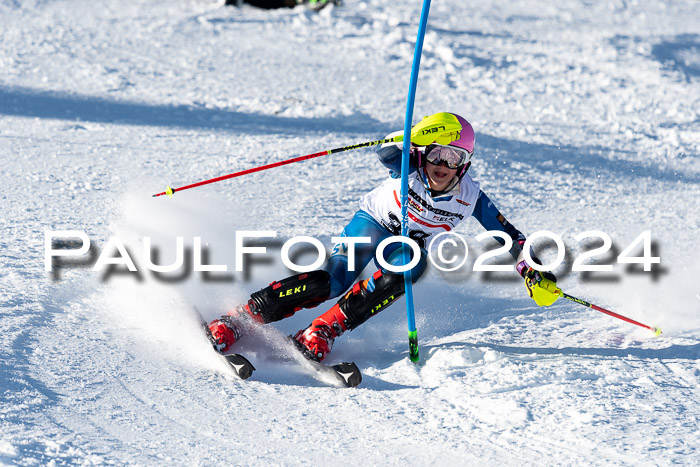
{"x":452,"y":156}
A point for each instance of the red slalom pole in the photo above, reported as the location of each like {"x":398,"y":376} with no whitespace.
{"x":170,"y":191}
{"x":656,"y":331}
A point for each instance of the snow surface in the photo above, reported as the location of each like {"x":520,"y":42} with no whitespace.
{"x":586,"y":116}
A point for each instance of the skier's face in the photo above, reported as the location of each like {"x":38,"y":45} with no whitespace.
{"x":439,"y":176}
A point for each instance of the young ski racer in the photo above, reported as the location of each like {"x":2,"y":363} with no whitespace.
{"x":441,"y":194}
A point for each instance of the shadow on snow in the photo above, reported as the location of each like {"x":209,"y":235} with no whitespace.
{"x":681,"y":53}
{"x":32,"y":103}
{"x":686,"y":352}
{"x":587,"y":162}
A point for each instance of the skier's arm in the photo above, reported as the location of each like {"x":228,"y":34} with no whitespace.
{"x":488,"y":216}
{"x":390,"y":155}
{"x":541,"y":285}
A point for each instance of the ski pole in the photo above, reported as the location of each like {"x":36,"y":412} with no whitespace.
{"x":170,"y":191}
{"x":656,"y":331}
{"x":407,"y":275}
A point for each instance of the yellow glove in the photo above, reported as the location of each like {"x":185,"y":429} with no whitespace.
{"x":441,"y":127}
{"x":542,"y":287}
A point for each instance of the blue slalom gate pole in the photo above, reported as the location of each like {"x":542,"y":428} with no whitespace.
{"x":407,"y":276}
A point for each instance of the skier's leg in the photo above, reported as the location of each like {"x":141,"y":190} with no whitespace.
{"x":366,"y":299}
{"x":282,"y":299}
{"x":338,"y":265}
{"x":278,"y":300}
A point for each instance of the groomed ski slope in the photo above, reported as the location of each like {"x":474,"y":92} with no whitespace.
{"x":586,"y":116}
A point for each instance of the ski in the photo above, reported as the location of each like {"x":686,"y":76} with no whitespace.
{"x":240,"y":365}
{"x":345,"y":373}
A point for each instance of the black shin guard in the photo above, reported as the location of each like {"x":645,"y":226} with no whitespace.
{"x":284,"y":298}
{"x":360,"y":304}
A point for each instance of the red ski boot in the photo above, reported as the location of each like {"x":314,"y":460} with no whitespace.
{"x":228,"y":329}
{"x":224,"y":332}
{"x":317,"y":340}
{"x":364,"y":300}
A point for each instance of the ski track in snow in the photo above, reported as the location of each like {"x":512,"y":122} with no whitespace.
{"x":586,"y":117}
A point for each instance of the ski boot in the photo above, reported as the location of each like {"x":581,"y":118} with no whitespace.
{"x":224,"y":333}
{"x":228,"y":329}
{"x":277,"y":301}
{"x":364,"y":300}
{"x":316,"y":341}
